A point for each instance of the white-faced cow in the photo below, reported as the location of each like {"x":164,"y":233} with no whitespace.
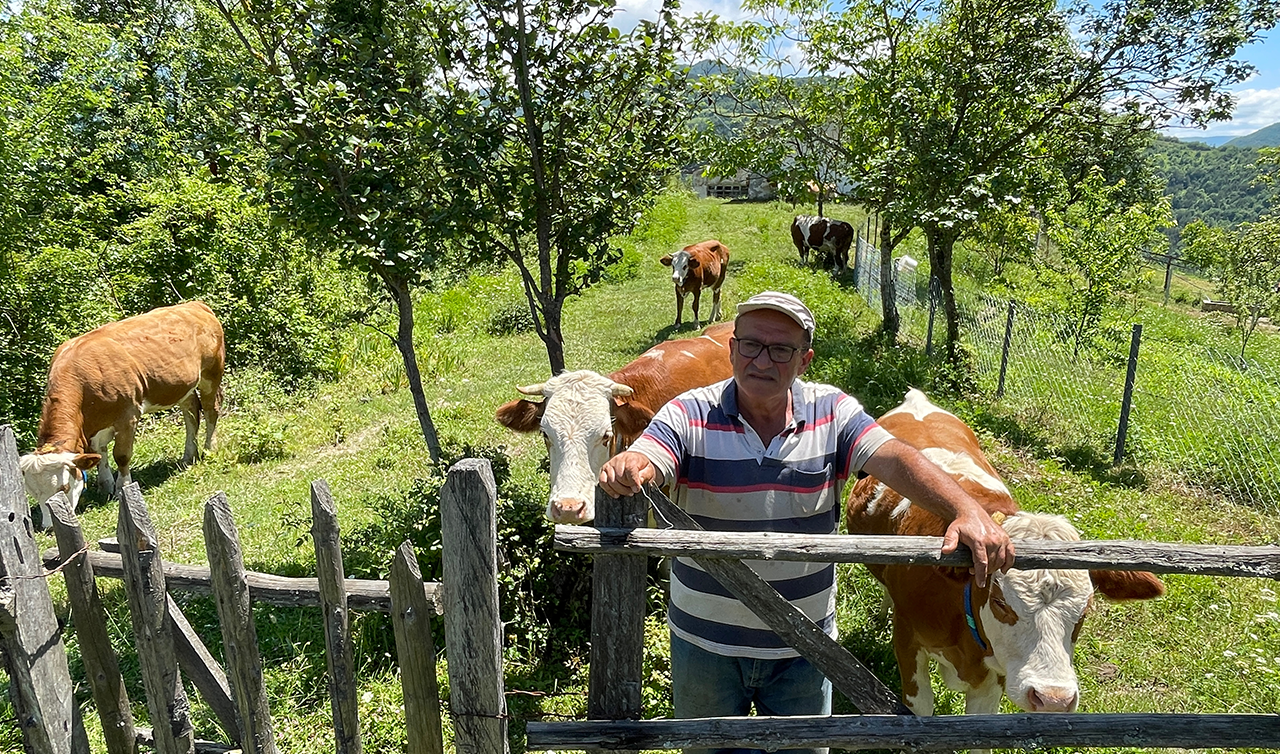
{"x":693,"y":268}
{"x":830,"y":238}
{"x":101,"y":382}
{"x":586,"y":417}
{"x":1016,"y":634}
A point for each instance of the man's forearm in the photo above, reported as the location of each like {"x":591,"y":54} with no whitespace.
{"x":909,"y":473}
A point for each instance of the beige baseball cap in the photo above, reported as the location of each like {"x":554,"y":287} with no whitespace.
{"x":780,"y":302}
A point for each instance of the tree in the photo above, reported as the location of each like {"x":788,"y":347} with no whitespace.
{"x":1101,"y":240}
{"x":1245,"y":264}
{"x":588,"y":120}
{"x":372,"y":141}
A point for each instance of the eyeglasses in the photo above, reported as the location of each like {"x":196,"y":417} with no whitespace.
{"x":778,"y":353}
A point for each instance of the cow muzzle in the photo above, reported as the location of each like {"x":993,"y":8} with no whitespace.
{"x":569,"y":511}
{"x":1052,"y":699}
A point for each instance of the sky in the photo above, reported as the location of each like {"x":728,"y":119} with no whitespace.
{"x":1257,"y":100}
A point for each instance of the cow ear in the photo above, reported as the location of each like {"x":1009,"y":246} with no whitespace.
{"x":86,"y":461}
{"x":666,"y":260}
{"x":693,"y":262}
{"x":1127,"y":585}
{"x":630,"y":420}
{"x":521,"y":415}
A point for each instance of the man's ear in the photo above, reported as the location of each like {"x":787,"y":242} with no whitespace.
{"x":630,"y":419}
{"x":666,"y":260}
{"x":521,"y":415}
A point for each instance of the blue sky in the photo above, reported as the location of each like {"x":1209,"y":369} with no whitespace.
{"x":1257,"y":100}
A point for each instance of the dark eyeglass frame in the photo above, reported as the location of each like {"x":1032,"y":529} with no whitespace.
{"x":750,"y":349}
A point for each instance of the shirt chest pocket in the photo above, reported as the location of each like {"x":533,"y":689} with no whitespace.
{"x":806,"y":492}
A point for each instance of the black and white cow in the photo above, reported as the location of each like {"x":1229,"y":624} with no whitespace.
{"x":831,"y":238}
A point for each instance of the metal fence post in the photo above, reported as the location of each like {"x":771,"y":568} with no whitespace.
{"x":1004,"y":351}
{"x":1127,"y":402}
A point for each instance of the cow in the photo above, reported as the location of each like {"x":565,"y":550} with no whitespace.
{"x":1017,"y":633}
{"x":101,"y":382}
{"x":586,"y":417}
{"x":831,"y":238}
{"x":701,"y":265}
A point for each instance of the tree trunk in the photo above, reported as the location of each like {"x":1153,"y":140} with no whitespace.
{"x":942,"y":242}
{"x":400,"y":293}
{"x":551,"y":334}
{"x":888,"y":286}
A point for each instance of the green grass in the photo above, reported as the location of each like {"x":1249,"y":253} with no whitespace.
{"x":1211,"y":645}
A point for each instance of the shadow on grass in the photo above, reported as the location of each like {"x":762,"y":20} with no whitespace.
{"x":1031,"y":437}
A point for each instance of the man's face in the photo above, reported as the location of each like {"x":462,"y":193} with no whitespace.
{"x":761,"y":377}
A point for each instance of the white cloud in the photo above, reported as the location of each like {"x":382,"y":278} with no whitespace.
{"x":1255,"y":109}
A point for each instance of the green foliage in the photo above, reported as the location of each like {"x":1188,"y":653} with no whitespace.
{"x":1100,"y":242}
{"x":545,"y":604}
{"x":1217,"y":185}
{"x":1245,"y":265}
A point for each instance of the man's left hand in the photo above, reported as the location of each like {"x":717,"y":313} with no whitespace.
{"x":990,"y":544}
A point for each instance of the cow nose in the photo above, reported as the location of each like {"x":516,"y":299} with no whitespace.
{"x":569,"y":511}
{"x":1051,"y":699}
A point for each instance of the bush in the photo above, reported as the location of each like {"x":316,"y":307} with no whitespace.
{"x":545,"y":596}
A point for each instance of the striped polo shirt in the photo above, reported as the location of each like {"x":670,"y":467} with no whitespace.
{"x":729,"y":481}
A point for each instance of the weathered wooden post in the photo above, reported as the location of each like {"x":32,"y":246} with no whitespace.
{"x":411,"y":613}
{"x":152,"y":630}
{"x":239,"y":635}
{"x":472,"y":624}
{"x":617,"y":616}
{"x":337,"y":619}
{"x":33,"y":653}
{"x":101,"y":666}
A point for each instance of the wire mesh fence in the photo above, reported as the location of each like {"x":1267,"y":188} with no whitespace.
{"x":866,"y":275}
{"x":1200,"y":415}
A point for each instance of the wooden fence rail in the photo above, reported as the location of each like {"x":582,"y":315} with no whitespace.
{"x":720,"y":553}
{"x":168,"y":648}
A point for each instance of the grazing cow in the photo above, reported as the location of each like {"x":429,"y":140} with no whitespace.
{"x":586,"y":417}
{"x":1020,"y":630}
{"x":831,"y":238}
{"x":102,"y":381}
{"x":702,"y":265}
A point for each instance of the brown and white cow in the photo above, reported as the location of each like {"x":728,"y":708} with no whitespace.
{"x":1024,"y":623}
{"x":695,"y":267}
{"x":586,"y":417}
{"x":101,"y":382}
{"x":831,"y":238}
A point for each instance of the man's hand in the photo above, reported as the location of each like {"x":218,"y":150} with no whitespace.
{"x":626,"y":473}
{"x":992,"y":550}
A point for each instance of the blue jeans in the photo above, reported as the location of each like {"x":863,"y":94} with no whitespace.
{"x":705,"y":684}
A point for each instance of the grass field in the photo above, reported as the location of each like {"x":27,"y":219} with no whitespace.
{"x":1211,"y":645}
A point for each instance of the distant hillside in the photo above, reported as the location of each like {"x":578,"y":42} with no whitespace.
{"x":1214,"y":184}
{"x":1266,"y":137}
{"x":1213,"y":141}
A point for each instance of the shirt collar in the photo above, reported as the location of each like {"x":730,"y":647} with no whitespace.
{"x":802,"y":411}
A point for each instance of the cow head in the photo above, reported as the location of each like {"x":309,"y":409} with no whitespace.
{"x":580,"y":415}
{"x":48,"y":473}
{"x":1032,"y":618}
{"x":682,"y":264}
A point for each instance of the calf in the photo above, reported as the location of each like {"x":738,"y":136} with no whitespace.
{"x":831,"y":238}
{"x":586,"y":417}
{"x":702,"y":265}
{"x":1020,"y":630}
{"x":101,"y":382}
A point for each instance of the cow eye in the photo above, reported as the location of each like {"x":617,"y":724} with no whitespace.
{"x":607,"y":439}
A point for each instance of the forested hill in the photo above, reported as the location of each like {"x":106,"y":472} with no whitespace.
{"x":1264,"y":137}
{"x":1214,"y":184}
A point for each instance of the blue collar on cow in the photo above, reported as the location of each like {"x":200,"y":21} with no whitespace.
{"x":84,"y":476}
{"x":968,"y":615}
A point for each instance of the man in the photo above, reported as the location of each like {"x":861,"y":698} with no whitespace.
{"x":765,"y":451}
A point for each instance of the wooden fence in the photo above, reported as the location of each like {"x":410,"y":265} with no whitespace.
{"x":169,"y":649}
{"x":468,"y":600}
{"x":620,"y":547}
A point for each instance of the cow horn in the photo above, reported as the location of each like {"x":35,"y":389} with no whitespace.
{"x":621,"y":391}
{"x":531,"y":389}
